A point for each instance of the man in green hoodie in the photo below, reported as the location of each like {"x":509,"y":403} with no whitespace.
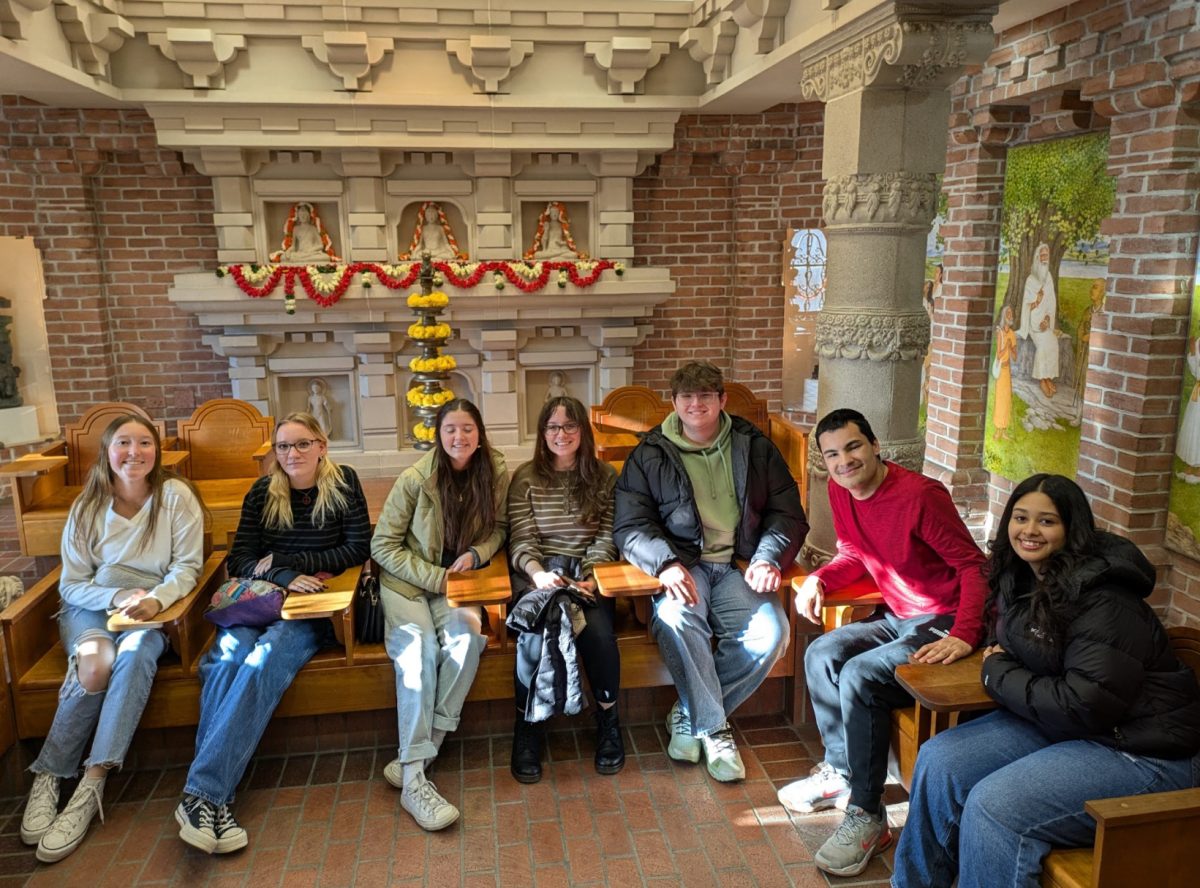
{"x":701,"y":490}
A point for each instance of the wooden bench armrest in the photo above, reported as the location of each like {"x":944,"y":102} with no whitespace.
{"x":32,"y":465}
{"x":488,"y":585}
{"x":620,"y":579}
{"x":263,"y":456}
{"x":946,"y":688}
{"x":29,"y":626}
{"x":174,"y":459}
{"x":336,"y":599}
{"x":1139,"y":809}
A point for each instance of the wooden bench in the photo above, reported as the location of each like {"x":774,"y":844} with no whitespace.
{"x":46,"y":482}
{"x":1144,"y":839}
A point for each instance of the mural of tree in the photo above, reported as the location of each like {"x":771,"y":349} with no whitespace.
{"x":1056,"y":193}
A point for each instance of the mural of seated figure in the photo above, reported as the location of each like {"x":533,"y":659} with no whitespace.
{"x":304,"y":238}
{"x":555,"y":241}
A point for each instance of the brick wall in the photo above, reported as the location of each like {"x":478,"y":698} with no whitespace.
{"x":715,"y":210}
{"x":1131,"y":67}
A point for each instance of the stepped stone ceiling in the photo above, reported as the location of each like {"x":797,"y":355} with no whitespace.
{"x":451,"y":74}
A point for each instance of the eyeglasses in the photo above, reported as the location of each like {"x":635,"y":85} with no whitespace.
{"x":570,"y":428}
{"x":304,"y":446}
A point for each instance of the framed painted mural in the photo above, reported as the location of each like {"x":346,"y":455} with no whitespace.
{"x":931,"y":290}
{"x":1053,"y":263}
{"x":1183,"y":510}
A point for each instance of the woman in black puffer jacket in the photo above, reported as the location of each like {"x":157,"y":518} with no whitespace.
{"x":1093,"y":703}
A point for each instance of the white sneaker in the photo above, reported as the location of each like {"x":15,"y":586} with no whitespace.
{"x":40,"y":809}
{"x":859,"y":837}
{"x":823,"y":788}
{"x":393,"y":773}
{"x":683,"y":746}
{"x":426,"y":805}
{"x":721,"y":756}
{"x":69,"y":827}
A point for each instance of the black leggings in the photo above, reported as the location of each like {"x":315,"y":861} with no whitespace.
{"x":597,"y":648}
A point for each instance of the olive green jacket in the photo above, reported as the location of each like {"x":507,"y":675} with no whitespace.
{"x":407,"y":544}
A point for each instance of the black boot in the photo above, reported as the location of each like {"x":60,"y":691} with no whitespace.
{"x":526,"y":762}
{"x":610,"y":748}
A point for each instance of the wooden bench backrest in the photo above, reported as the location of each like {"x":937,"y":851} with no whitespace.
{"x":740,"y":401}
{"x":222,"y":436}
{"x":83,"y":437}
{"x":630,"y":408}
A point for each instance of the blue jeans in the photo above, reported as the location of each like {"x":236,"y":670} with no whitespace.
{"x":113,"y":712}
{"x":991,"y":796}
{"x":751,"y":631}
{"x":243,"y":676}
{"x":435,"y":650}
{"x":851,"y":675}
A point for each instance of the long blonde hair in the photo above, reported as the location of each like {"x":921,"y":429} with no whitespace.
{"x":98,"y":486}
{"x":331,"y":486}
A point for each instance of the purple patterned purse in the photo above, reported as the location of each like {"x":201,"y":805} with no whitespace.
{"x":246,"y":603}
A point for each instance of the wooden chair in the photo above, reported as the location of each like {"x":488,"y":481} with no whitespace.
{"x":1140,"y":840}
{"x":229,"y":442}
{"x":46,"y":482}
{"x":625,"y":414}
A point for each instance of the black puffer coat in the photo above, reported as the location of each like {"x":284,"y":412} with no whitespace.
{"x":1113,"y":679}
{"x":655,"y":520}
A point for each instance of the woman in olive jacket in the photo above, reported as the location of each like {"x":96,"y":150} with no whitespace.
{"x":1093,"y":703}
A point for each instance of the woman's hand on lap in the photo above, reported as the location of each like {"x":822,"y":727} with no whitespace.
{"x":143,"y":608}
{"x":465,"y":561}
{"x":306,"y":584}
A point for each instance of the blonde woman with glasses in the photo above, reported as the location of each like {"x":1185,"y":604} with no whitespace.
{"x":306,"y":518}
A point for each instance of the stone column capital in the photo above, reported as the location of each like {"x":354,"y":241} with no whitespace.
{"x":860,"y":334}
{"x":911,"y":50}
{"x":879,"y":198}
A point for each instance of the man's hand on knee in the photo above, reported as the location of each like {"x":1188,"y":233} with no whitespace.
{"x":810,"y":598}
{"x":944,"y":650}
{"x":763,"y":577}
{"x":678,"y":583}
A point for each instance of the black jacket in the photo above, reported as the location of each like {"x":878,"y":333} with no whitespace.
{"x":555,"y":688}
{"x":655,"y":520}
{"x":1113,"y":678}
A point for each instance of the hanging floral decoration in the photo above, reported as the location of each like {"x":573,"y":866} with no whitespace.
{"x":290,"y":226}
{"x":419,"y":230}
{"x":559,"y":209}
{"x":326,"y":284}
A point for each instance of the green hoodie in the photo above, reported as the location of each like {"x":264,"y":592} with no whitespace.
{"x":710,"y":469}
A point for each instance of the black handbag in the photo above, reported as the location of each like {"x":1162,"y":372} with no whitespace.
{"x":368,"y":609}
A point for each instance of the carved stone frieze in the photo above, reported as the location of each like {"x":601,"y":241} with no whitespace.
{"x":200,"y":53}
{"x":911,"y":54}
{"x":490,"y":57}
{"x":860,"y":334}
{"x":93,"y":36}
{"x":350,"y":55}
{"x":909,"y":453}
{"x":904,"y":198}
{"x":626,"y":60}
{"x":761,"y":19}
{"x":712,"y":46}
{"x":14,"y":16}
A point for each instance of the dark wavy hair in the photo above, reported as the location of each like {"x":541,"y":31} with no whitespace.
{"x":472,"y":519}
{"x":1054,"y":596}
{"x":586,"y":486}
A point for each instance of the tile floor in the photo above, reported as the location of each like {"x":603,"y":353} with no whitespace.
{"x":328,"y":819}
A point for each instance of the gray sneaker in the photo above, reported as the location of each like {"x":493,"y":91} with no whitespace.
{"x":41,"y":809}
{"x":683,"y":746}
{"x":426,"y":805}
{"x":848,"y":851}
{"x":824,"y":787}
{"x":722,"y":757}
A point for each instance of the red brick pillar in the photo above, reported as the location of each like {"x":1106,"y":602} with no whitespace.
{"x":1127,"y":437}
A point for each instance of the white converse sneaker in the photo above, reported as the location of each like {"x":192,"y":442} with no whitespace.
{"x":69,"y":827}
{"x":683,"y":746}
{"x":721,"y":756}
{"x":848,"y":851}
{"x":393,"y":773}
{"x":40,"y":809}
{"x":824,"y":787}
{"x":426,"y":805}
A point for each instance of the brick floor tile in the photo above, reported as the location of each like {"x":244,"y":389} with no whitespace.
{"x":790,"y":845}
{"x":652,"y":854}
{"x":765,"y":864}
{"x":328,"y":768}
{"x":307,"y":849}
{"x":807,"y":876}
{"x":719,"y":844}
{"x":301,"y":878}
{"x":680,"y":832}
{"x":621,"y":871}
{"x":614,"y":834}
{"x":359,"y":764}
{"x":371,"y":874}
{"x":513,"y":823}
{"x":541,"y":801}
{"x":516,"y":865}
{"x":585,"y":859}
{"x":267,"y":866}
{"x":602,"y":795}
{"x":553,"y":876}
{"x":266,"y":773}
{"x":736,"y":878}
{"x":571,"y":778}
{"x":479,"y":850}
{"x":480,"y":880}
{"x":561,"y":746}
{"x":348,"y":820}
{"x":318,"y":803}
{"x":639,"y":811}
{"x":408,"y":856}
{"x":694,"y":869}
{"x":547,"y":841}
{"x":337,"y":869}
{"x":576,"y":817}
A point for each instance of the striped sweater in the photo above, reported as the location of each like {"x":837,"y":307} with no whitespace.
{"x":542,"y":521}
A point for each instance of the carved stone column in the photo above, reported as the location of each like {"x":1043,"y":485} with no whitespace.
{"x":886,"y":108}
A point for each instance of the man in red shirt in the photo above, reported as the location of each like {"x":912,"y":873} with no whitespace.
{"x":902,"y":530}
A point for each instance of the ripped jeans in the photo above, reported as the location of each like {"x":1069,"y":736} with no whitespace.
{"x":114,"y":712}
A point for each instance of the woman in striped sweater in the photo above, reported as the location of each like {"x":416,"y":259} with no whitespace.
{"x":306,"y":518}
{"x":560,"y":511}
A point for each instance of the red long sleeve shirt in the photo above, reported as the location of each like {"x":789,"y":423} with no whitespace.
{"x":908,"y":537}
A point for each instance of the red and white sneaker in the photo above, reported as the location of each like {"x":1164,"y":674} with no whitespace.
{"x":823,"y":788}
{"x":860,"y":836}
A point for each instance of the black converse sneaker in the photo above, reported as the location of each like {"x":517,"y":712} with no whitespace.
{"x":230,"y":834}
{"x":197,"y":823}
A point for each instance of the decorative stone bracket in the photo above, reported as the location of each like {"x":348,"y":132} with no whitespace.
{"x":712,"y":45}
{"x":626,"y":59}
{"x":761,"y":19}
{"x":93,"y":36}
{"x":903,"y":198}
{"x":200,"y":54}
{"x":14,"y":15}
{"x":491,"y":58}
{"x":910,"y":54}
{"x":350,"y":55}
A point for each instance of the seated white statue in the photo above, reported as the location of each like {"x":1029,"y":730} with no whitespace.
{"x":554,"y":239}
{"x":306,"y":239}
{"x":433,"y":239}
